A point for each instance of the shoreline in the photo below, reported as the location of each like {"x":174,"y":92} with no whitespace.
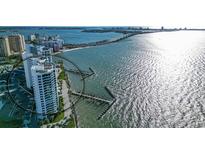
{"x":67,"y":50}
{"x":73,"y":47}
{"x":93,"y":44}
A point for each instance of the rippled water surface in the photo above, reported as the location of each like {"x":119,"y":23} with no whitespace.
{"x":158,"y":80}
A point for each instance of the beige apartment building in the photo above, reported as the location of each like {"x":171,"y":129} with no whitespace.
{"x":4,"y":47}
{"x":16,"y":43}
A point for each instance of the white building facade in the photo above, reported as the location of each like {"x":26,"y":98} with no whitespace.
{"x":44,"y":79}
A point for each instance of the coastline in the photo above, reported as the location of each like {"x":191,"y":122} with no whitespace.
{"x":73,"y":47}
{"x":67,"y":50}
{"x":93,"y":44}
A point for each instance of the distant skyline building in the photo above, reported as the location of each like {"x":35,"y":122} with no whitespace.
{"x":56,"y":44}
{"x":32,"y":37}
{"x":16,"y":43}
{"x":53,"y":42}
{"x":4,"y":47}
{"x":45,"y":88}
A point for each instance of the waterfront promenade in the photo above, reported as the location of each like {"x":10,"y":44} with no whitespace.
{"x":66,"y":100}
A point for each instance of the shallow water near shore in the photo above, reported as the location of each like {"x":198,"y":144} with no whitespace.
{"x":158,"y":80}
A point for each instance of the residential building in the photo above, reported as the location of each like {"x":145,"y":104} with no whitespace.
{"x":16,"y":43}
{"x":32,"y":37}
{"x":41,"y":76}
{"x":4,"y":47}
{"x":45,"y":88}
{"x":30,"y":57}
{"x":56,"y":45}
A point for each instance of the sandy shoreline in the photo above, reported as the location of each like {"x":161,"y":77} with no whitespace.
{"x":67,"y":50}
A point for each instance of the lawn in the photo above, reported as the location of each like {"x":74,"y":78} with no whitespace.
{"x":62,"y":75}
{"x":58,"y":117}
{"x":71,"y":123}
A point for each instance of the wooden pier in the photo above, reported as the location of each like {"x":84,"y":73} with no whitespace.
{"x":109,"y":102}
{"x":92,"y":97}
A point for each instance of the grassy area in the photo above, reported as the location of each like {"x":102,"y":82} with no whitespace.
{"x":71,"y":123}
{"x":58,"y":117}
{"x":61,"y":103}
{"x":62,"y":75}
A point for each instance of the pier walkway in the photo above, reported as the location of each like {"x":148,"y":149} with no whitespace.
{"x":92,"y":97}
{"x":109,"y":102}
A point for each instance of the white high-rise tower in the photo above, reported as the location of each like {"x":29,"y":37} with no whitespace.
{"x":41,"y":75}
{"x":45,"y":88}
